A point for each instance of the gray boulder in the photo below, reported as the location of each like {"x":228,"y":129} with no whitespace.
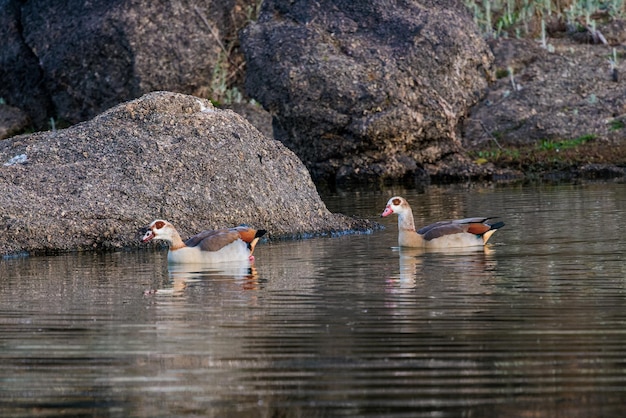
{"x":165,"y":155}
{"x":363,"y":90}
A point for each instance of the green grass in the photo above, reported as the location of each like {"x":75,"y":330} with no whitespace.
{"x":617,"y":124}
{"x":543,"y":153}
{"x":497,"y":153}
{"x":549,"y":145}
{"x":522,"y":18}
{"x":502,"y":72}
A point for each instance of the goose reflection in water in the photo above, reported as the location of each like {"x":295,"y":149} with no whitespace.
{"x":424,"y":268}
{"x":240,"y":275}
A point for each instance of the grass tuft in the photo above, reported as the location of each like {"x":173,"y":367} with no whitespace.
{"x":617,"y":124}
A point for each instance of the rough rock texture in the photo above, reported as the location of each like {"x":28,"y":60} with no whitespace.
{"x":76,"y":58}
{"x":560,"y":95}
{"x":368,"y":89}
{"x":12,"y":120}
{"x":164,"y":155}
{"x":256,"y":115}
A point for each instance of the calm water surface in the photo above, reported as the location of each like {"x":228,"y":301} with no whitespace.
{"x":347,"y":326}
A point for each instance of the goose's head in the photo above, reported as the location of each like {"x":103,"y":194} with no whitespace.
{"x":159,"y":229}
{"x":396,"y":205}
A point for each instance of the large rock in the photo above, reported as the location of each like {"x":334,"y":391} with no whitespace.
{"x":74,"y":59}
{"x":370,"y":89}
{"x":564,"y":93}
{"x":164,"y":155}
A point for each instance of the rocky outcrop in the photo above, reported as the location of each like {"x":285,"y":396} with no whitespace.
{"x":373,"y":89}
{"x":165,"y":155}
{"x":74,"y":59}
{"x":561,"y":93}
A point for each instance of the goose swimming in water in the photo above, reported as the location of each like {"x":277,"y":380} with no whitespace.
{"x":207,"y":247}
{"x":466,"y":232}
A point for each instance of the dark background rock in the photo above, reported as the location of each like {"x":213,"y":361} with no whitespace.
{"x":373,"y":89}
{"x":73,"y":59}
{"x":21,"y":77}
{"x":359,"y":90}
{"x":165,"y":155}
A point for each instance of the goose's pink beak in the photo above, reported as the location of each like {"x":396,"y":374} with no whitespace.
{"x":147,"y":236}
{"x":388,"y":211}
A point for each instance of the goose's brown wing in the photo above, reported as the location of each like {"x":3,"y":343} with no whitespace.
{"x":213,"y":240}
{"x":470,"y":225}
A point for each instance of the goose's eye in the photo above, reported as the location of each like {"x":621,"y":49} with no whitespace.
{"x":159,"y":224}
{"x":396,"y":202}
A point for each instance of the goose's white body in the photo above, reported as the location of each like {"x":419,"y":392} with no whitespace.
{"x":235,"y":251}
{"x":469,"y":232}
{"x":207,"y":247}
{"x":448,"y":241}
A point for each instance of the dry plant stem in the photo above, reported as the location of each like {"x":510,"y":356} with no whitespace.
{"x":215,"y":35}
{"x":493,"y":138}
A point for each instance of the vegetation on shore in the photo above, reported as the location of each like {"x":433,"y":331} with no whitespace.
{"x":523,"y":18}
{"x":226,"y":84}
{"x":548,"y":155}
{"x":536,"y":19}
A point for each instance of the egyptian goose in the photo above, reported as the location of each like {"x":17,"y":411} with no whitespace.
{"x":207,"y":247}
{"x":444,"y":234}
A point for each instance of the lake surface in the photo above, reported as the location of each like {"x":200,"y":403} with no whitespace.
{"x":534,"y":325}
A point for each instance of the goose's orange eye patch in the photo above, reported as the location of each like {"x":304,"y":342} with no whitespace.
{"x":396,"y":202}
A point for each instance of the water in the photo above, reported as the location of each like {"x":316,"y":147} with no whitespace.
{"x":349,"y":326}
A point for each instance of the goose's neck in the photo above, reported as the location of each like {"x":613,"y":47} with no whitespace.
{"x":176,"y":242}
{"x":405,"y":221}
